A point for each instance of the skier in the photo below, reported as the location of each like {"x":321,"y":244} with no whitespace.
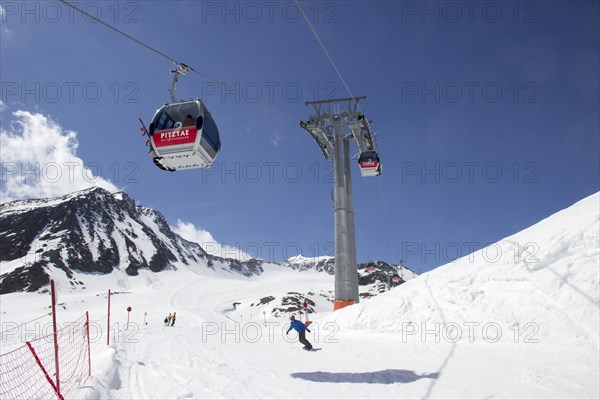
{"x":301,"y":328}
{"x":168,"y":320}
{"x":173,"y":319}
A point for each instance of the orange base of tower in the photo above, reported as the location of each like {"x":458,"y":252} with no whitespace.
{"x":337,"y":304}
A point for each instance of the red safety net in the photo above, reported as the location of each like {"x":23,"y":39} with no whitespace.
{"x":29,"y":372}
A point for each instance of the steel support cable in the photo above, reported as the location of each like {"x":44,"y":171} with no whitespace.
{"x":387,"y":221}
{"x":339,"y":74}
{"x":333,"y":64}
{"x":174,"y":61}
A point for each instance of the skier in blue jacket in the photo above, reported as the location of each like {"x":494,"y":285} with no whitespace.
{"x":300,"y":328}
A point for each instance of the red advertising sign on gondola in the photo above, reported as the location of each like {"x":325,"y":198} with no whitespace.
{"x":369,"y":164}
{"x":173,"y":137}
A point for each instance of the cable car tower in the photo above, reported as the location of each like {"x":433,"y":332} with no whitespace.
{"x":338,"y":122}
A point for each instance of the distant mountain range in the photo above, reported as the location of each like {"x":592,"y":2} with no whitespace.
{"x":93,"y":231}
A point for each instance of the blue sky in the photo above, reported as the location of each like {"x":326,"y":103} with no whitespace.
{"x":487,"y":114}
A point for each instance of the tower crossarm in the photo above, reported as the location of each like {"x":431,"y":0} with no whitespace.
{"x":346,"y":112}
{"x":321,"y":136}
{"x":361,"y":133}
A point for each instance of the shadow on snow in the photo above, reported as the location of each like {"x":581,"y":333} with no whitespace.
{"x":386,"y":377}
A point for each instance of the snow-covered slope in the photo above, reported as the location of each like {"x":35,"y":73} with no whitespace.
{"x":546,"y":275}
{"x":517,"y":320}
{"x":521,"y":316}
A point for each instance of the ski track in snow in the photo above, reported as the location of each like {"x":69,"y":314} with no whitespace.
{"x":175,"y":362}
{"x":548,"y":312}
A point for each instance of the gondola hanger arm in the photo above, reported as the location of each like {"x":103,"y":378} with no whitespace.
{"x":182,"y":69}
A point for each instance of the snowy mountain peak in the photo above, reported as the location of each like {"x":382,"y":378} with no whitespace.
{"x":92,"y":231}
{"x":300,"y":259}
{"x":25,"y":205}
{"x":95,"y":231}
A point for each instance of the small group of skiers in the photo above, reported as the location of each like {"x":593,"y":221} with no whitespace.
{"x":170,"y":319}
{"x":301,"y":329}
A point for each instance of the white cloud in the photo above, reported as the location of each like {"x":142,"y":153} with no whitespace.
{"x":276,"y":140}
{"x":6,"y":33}
{"x":2,"y":106}
{"x":188,"y":231}
{"x":38,"y":159}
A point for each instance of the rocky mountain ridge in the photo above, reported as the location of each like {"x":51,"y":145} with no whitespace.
{"x":94,"y":231}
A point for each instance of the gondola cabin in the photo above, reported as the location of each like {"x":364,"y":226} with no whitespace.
{"x":183,"y":135}
{"x":369,"y":164}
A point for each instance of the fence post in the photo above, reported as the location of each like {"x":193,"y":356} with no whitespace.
{"x":128,"y":313}
{"x":305,"y":305}
{"x":87,"y":324}
{"x":108,"y":323}
{"x":39,"y":363}
{"x":53,"y":294}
